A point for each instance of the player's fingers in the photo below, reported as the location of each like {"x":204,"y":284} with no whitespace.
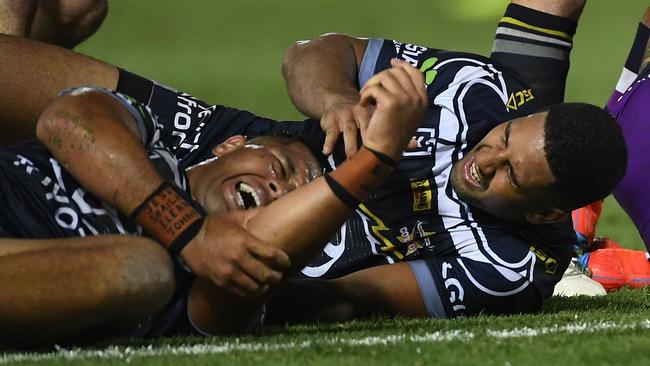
{"x":271,"y":256}
{"x":242,"y":285}
{"x":362,"y":116}
{"x":259,"y":272}
{"x":415,"y":78}
{"x":374,"y":80}
{"x":350,"y":135}
{"x":399,"y":74}
{"x":331,"y":136}
{"x":412,"y":145}
{"x":375,"y":94}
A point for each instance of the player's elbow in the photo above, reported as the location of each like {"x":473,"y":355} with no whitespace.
{"x":325,"y":46}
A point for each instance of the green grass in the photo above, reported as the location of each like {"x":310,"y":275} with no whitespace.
{"x":609,"y":330}
{"x":230,"y":53}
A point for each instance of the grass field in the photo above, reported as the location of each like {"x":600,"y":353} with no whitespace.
{"x":230,"y":53}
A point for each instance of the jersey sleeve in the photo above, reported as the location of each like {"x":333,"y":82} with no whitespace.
{"x":512,"y":277}
{"x":150,"y":131}
{"x":535,"y":46}
{"x":192,"y":127}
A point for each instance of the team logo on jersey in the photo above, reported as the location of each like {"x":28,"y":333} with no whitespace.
{"x":415,"y":239}
{"x":428,"y":70}
{"x":424,"y":137}
{"x":422,"y":194}
{"x":519,"y":98}
{"x":550,"y":264}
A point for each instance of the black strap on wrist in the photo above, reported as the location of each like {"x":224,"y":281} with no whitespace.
{"x":159,"y":205}
{"x":339,"y":191}
{"x":383,"y":157}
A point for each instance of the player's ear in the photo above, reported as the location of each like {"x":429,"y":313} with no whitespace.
{"x":231,"y":144}
{"x":547,"y":216}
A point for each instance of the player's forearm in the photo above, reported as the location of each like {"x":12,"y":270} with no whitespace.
{"x":571,"y":9}
{"x":302,"y":221}
{"x":323,"y":72}
{"x":95,"y":139}
{"x":32,"y":73}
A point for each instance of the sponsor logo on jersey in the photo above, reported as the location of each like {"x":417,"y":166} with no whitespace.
{"x":415,"y":239}
{"x":70,"y":209}
{"x":550,"y":264}
{"x":186,"y":129}
{"x":425,"y":142}
{"x":408,"y":52}
{"x":454,"y":288}
{"x":428,"y":70}
{"x":422,"y":194}
{"x":519,"y":98}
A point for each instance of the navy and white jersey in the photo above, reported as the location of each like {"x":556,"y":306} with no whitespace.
{"x":42,"y":200}
{"x":465,"y":261}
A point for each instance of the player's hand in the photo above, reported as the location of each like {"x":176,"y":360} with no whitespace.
{"x":343,"y":118}
{"x":401,"y":100}
{"x":226,"y":254}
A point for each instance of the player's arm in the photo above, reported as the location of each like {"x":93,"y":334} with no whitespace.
{"x":388,"y":289}
{"x":97,"y":138}
{"x":33,"y":73}
{"x":301,"y":222}
{"x":321,"y":77}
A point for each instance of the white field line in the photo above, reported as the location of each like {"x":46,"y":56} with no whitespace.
{"x":126,"y":353}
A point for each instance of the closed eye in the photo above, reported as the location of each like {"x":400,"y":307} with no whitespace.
{"x":512,"y":177}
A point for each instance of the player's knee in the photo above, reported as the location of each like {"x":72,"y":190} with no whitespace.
{"x":85,"y":17}
{"x":78,"y":20}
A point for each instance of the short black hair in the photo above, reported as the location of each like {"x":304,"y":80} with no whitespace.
{"x":586,"y":152}
{"x":318,"y":154}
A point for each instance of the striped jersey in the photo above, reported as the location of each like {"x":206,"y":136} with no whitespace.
{"x":465,"y":261}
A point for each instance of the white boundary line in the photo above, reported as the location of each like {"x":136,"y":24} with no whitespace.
{"x":128,"y":353}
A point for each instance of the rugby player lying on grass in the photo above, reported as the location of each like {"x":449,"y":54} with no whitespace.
{"x":476,"y":214}
{"x":73,"y":277}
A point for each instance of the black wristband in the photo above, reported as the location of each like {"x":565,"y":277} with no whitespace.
{"x":339,"y":191}
{"x":383,"y":157}
{"x":171,"y":216}
{"x":181,"y":241}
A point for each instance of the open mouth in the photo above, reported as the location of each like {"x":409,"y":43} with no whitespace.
{"x":246,"y":195}
{"x":472,"y":173}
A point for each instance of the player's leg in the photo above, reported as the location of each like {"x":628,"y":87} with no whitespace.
{"x":632,"y":116}
{"x":80,"y":289}
{"x":33,"y":73}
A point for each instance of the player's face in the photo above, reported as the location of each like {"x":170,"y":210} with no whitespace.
{"x":507,"y":174}
{"x":249,"y":175}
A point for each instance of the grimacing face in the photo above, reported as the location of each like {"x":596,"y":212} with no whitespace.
{"x":248,"y":175}
{"x":507,"y":174}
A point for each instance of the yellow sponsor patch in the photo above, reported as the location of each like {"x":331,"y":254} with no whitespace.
{"x":550,"y":264}
{"x":422,"y":194}
{"x":519,"y":98}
